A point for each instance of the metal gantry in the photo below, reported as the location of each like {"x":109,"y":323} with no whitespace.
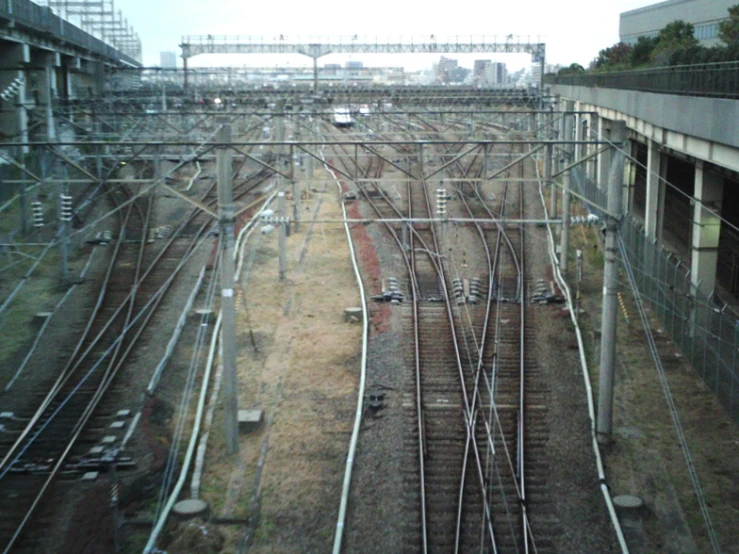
{"x":317,"y":46}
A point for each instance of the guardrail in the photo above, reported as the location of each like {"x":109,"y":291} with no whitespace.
{"x":719,"y":80}
{"x":25,"y":13}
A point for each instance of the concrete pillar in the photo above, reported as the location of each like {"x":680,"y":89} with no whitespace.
{"x":13,"y":83}
{"x":579,"y":120}
{"x":569,"y":128}
{"x":709,"y":191}
{"x":70,"y":65}
{"x":45,"y":91}
{"x":629,"y":176}
{"x":592,"y":134}
{"x":655,"y":197}
{"x":604,"y":160}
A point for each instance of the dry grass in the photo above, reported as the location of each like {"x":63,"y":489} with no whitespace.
{"x":304,"y":374}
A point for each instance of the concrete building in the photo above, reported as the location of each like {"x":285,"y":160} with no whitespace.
{"x":479,"y":71}
{"x":168,"y":60}
{"x":443,"y":69}
{"x":704,"y":15}
{"x":497,"y":74}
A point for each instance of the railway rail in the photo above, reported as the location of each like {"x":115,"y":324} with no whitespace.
{"x":478,"y":410}
{"x":52,"y":441}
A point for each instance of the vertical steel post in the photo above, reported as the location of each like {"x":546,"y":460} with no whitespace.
{"x":610,"y":286}
{"x":295,"y":189}
{"x":184,"y":71}
{"x":282,"y":234}
{"x":64,"y":242}
{"x":485,"y":162}
{"x":548,"y":181}
{"x":565,"y":238}
{"x":228,"y":308}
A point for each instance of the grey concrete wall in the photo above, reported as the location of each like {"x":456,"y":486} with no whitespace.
{"x":712,"y":119}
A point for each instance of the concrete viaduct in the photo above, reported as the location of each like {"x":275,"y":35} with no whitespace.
{"x":691,"y":140}
{"x":44,"y":58}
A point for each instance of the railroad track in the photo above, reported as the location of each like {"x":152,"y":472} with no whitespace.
{"x":51,"y":441}
{"x":480,"y":408}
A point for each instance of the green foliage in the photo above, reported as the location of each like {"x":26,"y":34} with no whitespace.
{"x":573,"y":69}
{"x":641,"y":52}
{"x":728,"y":31}
{"x":674,"y":45}
{"x":615,"y":55}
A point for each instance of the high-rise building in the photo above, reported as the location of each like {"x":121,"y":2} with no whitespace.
{"x":444,"y":69}
{"x":489,"y":73}
{"x":498,"y":74}
{"x":168,"y":60}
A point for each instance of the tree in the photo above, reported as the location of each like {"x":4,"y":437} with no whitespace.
{"x":572,"y":69}
{"x":674,"y":43}
{"x":641,"y":52}
{"x":618,"y":54}
{"x":728,"y":31}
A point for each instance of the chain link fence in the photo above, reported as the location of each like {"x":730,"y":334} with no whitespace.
{"x":706,"y":332}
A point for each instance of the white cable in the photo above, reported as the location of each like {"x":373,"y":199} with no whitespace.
{"x":148,"y":549}
{"x":586,"y":376}
{"x":362,"y":379}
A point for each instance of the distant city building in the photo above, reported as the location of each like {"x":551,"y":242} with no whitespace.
{"x":488,"y":73}
{"x":168,"y":60}
{"x":354,"y":65}
{"x":704,"y":15}
{"x":498,"y":74}
{"x":444,"y":70}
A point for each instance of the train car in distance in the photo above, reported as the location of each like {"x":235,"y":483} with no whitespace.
{"x":343,"y":117}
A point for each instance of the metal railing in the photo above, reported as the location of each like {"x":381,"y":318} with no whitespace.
{"x":705,"y":330}
{"x":25,"y":13}
{"x":719,"y":80}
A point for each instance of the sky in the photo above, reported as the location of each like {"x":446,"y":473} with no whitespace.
{"x":573,"y":30}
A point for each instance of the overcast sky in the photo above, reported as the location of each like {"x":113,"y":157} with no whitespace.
{"x":573,"y":30}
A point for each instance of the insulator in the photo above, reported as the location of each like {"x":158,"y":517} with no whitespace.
{"x":66,"y":207}
{"x":37,"y":212}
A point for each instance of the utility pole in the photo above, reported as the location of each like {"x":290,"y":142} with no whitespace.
{"x":610,"y":285}
{"x":228,"y":308}
{"x":295,"y":174}
{"x":283,"y":234}
{"x":548,"y":180}
{"x":565,"y":238}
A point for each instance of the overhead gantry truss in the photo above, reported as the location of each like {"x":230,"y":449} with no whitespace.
{"x":316,"y":47}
